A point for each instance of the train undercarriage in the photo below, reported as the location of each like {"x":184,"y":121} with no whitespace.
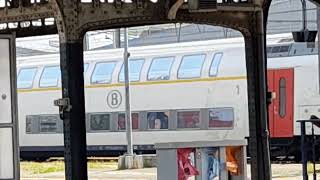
{"x":289,"y":149}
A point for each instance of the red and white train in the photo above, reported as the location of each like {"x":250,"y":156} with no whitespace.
{"x":193,"y":91}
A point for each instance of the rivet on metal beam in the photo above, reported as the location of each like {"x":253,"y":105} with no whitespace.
{"x":96,"y":3}
{"x":118,"y":3}
{"x":139,"y":4}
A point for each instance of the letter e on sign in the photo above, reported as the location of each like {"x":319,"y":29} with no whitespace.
{"x":114,"y":99}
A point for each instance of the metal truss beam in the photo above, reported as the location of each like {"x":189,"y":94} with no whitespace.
{"x":97,"y":15}
{"x":30,"y":31}
{"x":22,"y":13}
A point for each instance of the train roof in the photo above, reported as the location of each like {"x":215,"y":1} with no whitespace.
{"x":142,"y":51}
{"x":279,"y":45}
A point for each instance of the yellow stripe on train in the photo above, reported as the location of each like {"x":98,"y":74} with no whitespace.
{"x":144,"y":83}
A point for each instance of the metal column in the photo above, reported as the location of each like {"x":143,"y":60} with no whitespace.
{"x":116,"y":38}
{"x":74,"y":123}
{"x":303,"y":151}
{"x":318,"y":27}
{"x":126,"y":56}
{"x":257,"y":91}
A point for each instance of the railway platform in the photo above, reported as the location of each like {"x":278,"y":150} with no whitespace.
{"x":279,"y":171}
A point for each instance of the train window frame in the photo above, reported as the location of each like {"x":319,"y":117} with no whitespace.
{"x":170,"y":69}
{"x":95,"y":67}
{"x":221,"y":108}
{"x":157,"y":111}
{"x":217,"y":67}
{"x":122,"y":112}
{"x":188,"y":110}
{"x":28,"y":126}
{"x":33,"y":121}
{"x":90,"y":130}
{"x":33,"y":79}
{"x":200,"y":70}
{"x":140,"y":71}
{"x":42,"y":73}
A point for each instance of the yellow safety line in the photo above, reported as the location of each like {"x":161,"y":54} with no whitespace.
{"x":145,"y":83}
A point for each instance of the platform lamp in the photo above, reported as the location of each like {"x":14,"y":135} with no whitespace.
{"x":304,"y":35}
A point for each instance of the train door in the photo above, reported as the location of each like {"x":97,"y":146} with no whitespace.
{"x":280,"y":81}
{"x":9,"y":154}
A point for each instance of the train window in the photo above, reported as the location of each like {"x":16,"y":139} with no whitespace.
{"x":221,"y":117}
{"x":48,"y":123}
{"x":284,"y":48}
{"x":135,"y":67}
{"x":102,"y":73}
{"x":26,"y":77}
{"x":269,"y":49}
{"x":276,"y":49}
{"x":188,"y":119}
{"x":122,"y":121}
{"x":99,"y":122}
{"x":158,"y":120}
{"x":85,"y":68}
{"x":50,"y":76}
{"x":160,"y":68}
{"x":215,"y":64}
{"x":191,"y":66}
{"x":282,"y":97}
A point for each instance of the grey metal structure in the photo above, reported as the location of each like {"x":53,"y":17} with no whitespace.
{"x":9,"y":145}
{"x":73,"y":18}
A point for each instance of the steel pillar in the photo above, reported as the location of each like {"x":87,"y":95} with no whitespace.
{"x":303,"y":151}
{"x":318,"y":27}
{"x":74,"y":124}
{"x":255,"y":46}
{"x":117,"y":38}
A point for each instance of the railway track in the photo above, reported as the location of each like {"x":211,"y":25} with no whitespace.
{"x":100,"y":159}
{"x":281,"y":160}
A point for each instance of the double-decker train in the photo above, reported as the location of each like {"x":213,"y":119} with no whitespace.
{"x":194,"y":91}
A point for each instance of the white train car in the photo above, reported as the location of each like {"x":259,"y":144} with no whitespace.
{"x":193,"y":91}
{"x":179,"y":92}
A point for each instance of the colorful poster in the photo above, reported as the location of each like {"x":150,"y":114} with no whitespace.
{"x":213,"y":163}
{"x":186,"y":168}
